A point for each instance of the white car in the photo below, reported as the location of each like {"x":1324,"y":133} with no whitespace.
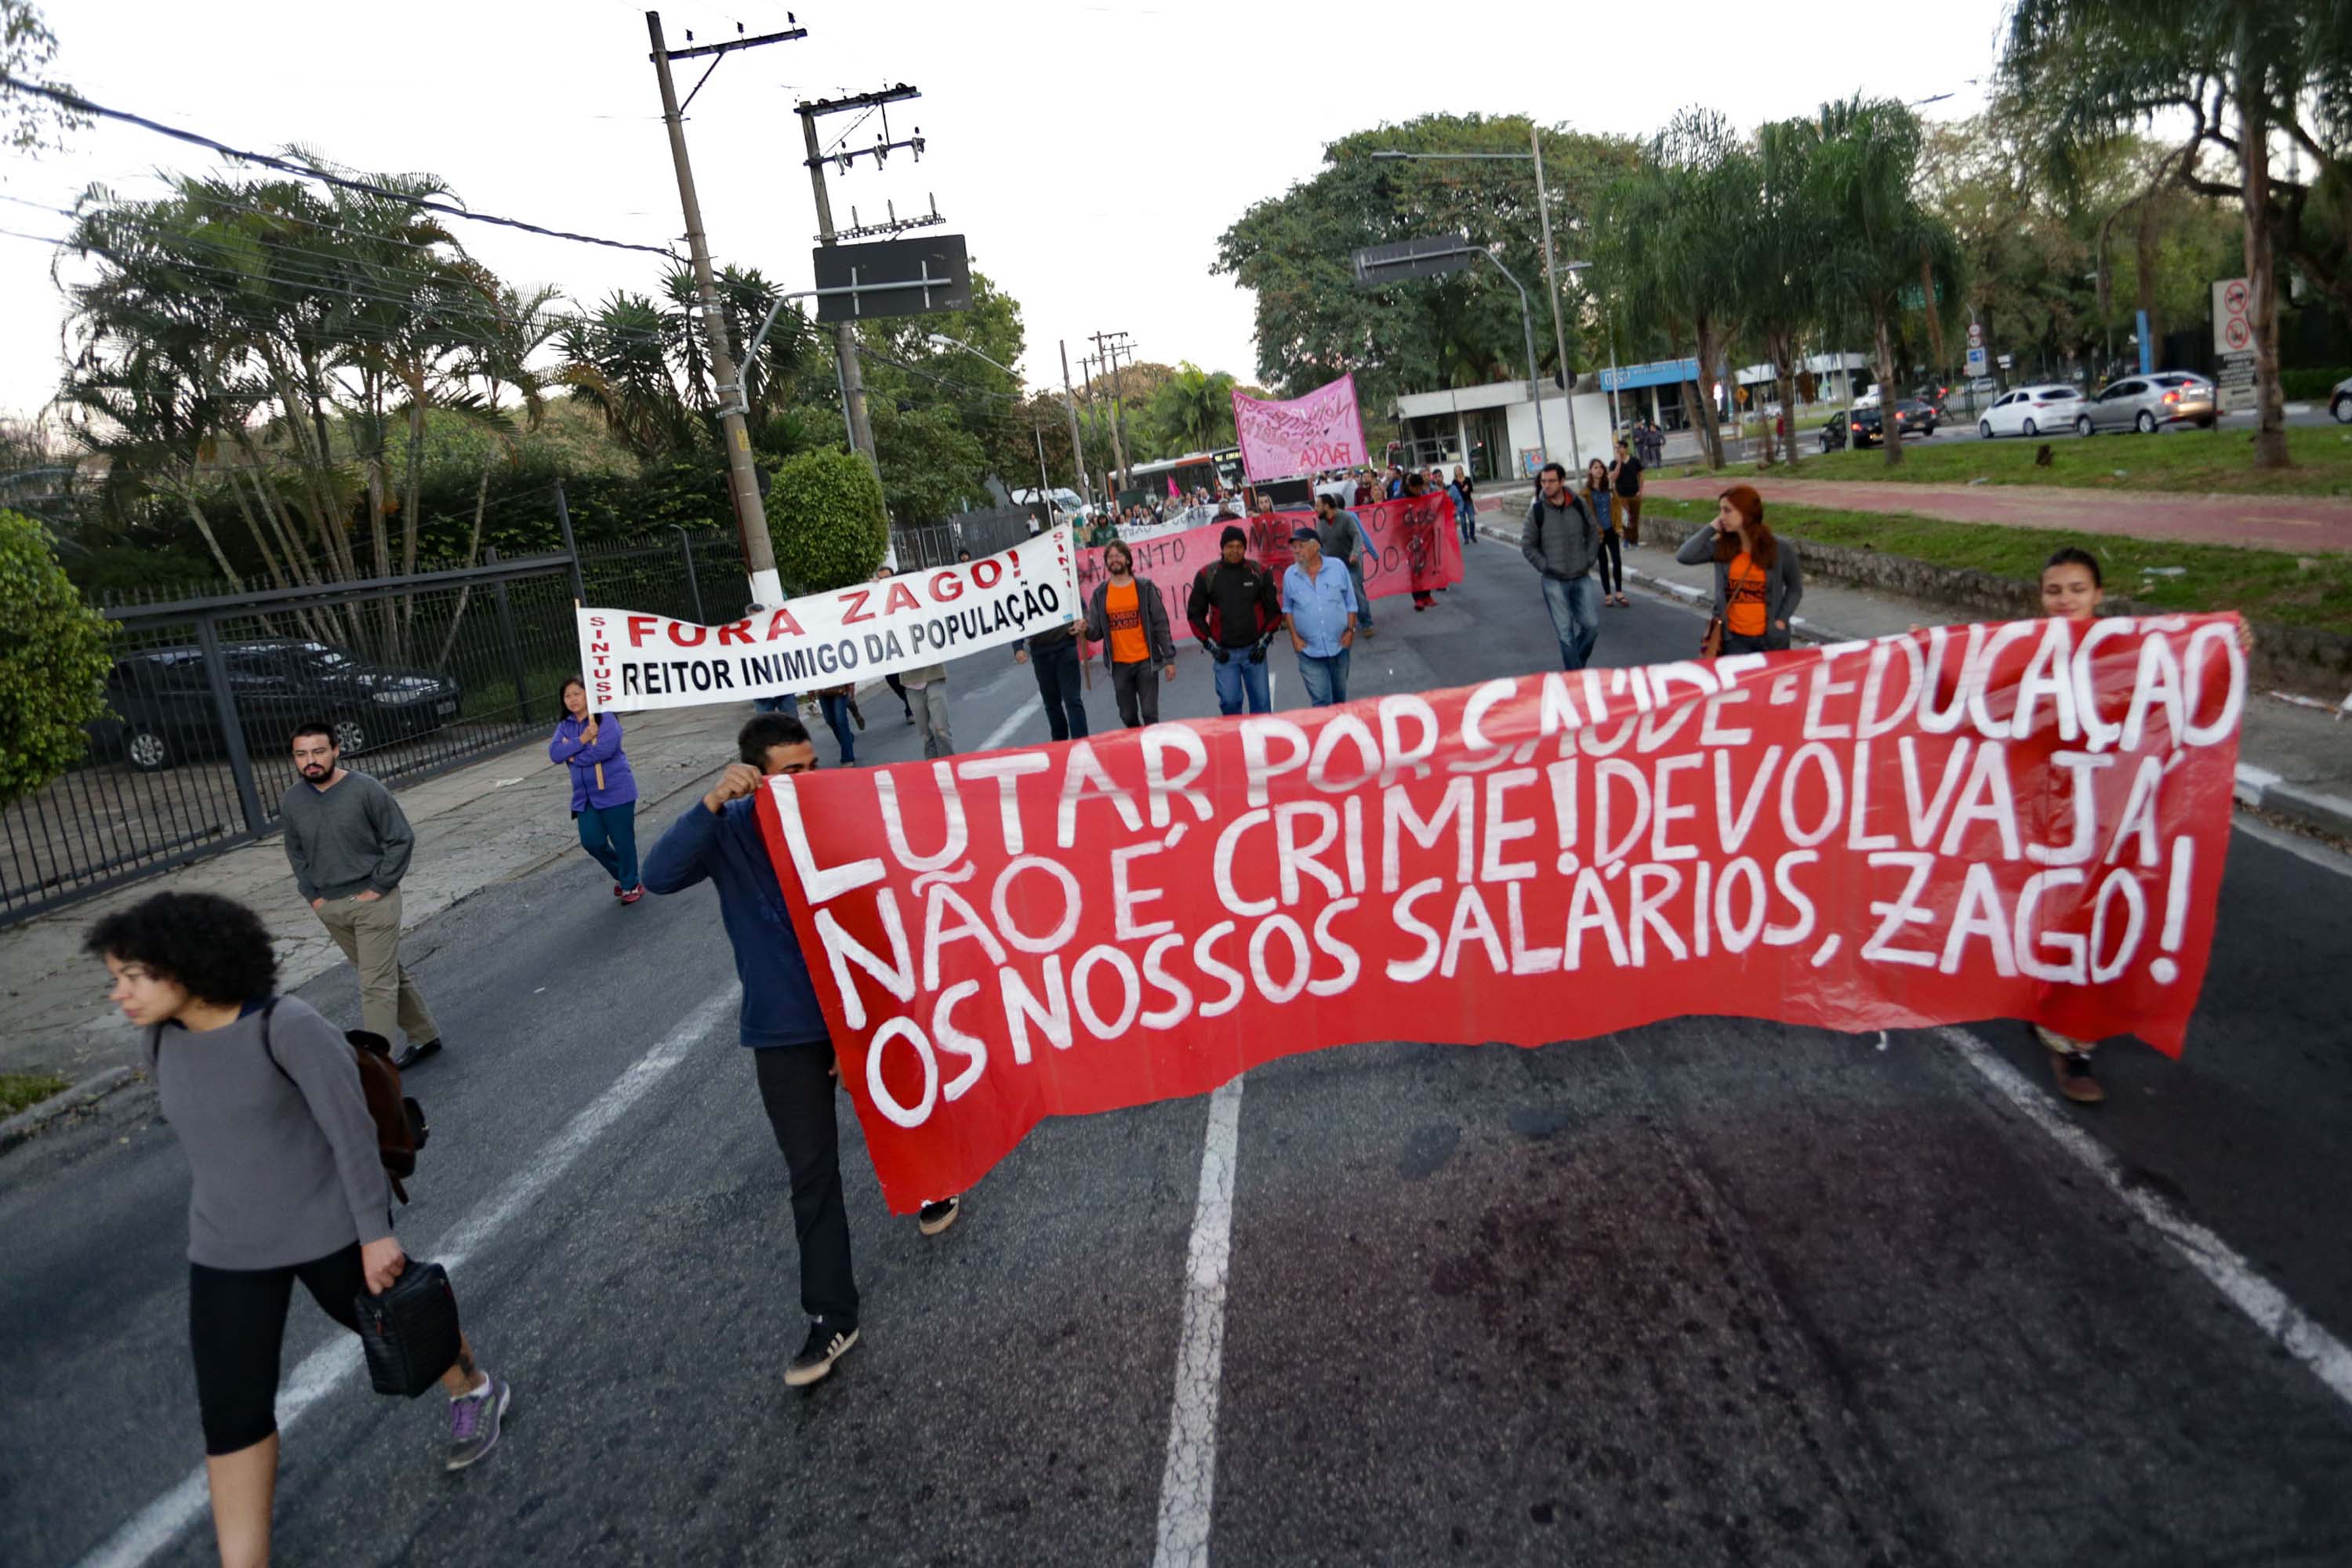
{"x":2339,"y":402}
{"x":2049,"y":408}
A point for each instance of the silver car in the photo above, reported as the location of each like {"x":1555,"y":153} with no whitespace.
{"x":2149,"y":403}
{"x":2339,"y":401}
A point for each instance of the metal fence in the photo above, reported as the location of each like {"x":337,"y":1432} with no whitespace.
{"x":941,"y":543}
{"x":416,"y":675}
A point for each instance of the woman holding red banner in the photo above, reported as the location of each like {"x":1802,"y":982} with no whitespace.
{"x":1757,"y":580}
{"x":1129,"y":619}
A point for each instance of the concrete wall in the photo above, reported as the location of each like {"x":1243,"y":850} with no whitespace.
{"x":1593,"y":435}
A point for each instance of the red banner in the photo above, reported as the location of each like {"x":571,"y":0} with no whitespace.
{"x":1410,"y":546}
{"x":2026,"y":820}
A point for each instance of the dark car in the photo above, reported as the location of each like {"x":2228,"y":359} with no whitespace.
{"x":1917,"y":416}
{"x":1834,"y":434}
{"x":161,"y":710}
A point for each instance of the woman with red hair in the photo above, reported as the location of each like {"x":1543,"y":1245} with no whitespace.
{"x":1757,"y":582}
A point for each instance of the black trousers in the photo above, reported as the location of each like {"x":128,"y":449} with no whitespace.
{"x":1062,"y":683}
{"x":1136,"y":687}
{"x":900,"y":693}
{"x":1612,"y":562}
{"x":797,"y":1086}
{"x":236,"y":1325}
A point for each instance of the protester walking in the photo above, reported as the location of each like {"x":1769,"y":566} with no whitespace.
{"x":1318,"y":601}
{"x":604,"y":790}
{"x":718,"y":840}
{"x":924,"y":691}
{"x":1127,"y":615}
{"x":1465,"y":503}
{"x":1052,"y":656}
{"x":1597,"y":497}
{"x":1758,"y":579}
{"x":1235,"y":610}
{"x":1561,"y":541}
{"x":1416,"y":486}
{"x":839,"y":706}
{"x":1628,"y":475}
{"x":349,"y":845}
{"x":286,"y":1184}
{"x":1341,"y":535}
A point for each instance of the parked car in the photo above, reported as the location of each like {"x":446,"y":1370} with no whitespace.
{"x":1834,"y":434}
{"x":161,"y":711}
{"x":2149,"y":403}
{"x":2339,"y":402}
{"x":2039,"y":410}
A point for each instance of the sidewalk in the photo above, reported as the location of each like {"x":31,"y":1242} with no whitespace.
{"x":477,"y":826}
{"x":2294,"y":762}
{"x":2298,"y":524}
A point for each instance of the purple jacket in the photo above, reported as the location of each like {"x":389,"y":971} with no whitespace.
{"x":600,"y":774}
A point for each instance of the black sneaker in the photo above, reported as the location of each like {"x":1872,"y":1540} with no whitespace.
{"x":937,"y":1217}
{"x":827,"y":1343}
{"x":412,"y":1054}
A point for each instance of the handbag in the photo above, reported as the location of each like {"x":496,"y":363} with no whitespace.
{"x":410,"y":1332}
{"x":1710,"y":644}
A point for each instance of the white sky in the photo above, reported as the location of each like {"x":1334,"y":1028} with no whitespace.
{"x":1092,"y":153}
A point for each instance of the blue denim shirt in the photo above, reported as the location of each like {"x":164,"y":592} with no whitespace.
{"x":1318,"y":606}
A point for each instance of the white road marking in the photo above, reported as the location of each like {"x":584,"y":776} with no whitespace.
{"x":2268,"y":1306}
{"x":1012,"y":721}
{"x":1188,"y":1480}
{"x":155,"y":1526}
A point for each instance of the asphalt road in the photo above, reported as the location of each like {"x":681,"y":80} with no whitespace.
{"x":1708,"y":1292}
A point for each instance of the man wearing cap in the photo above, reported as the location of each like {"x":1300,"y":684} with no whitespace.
{"x":1320,"y":601}
{"x":1235,"y":610}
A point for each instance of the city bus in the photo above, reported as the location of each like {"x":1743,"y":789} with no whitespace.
{"x":1194,"y":470}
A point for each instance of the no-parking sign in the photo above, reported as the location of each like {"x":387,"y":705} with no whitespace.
{"x":2234,"y":327}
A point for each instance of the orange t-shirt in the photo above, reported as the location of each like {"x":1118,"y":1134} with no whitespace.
{"x":1744,"y":616}
{"x":1123,"y":608}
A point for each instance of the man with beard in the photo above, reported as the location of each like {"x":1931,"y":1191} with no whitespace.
{"x":349,"y":845}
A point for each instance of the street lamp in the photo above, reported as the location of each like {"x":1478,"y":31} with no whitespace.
{"x":1551,"y":276}
{"x":941,"y":340}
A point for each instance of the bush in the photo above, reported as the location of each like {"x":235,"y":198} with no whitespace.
{"x":2312,"y":385}
{"x":53,"y":661}
{"x":824,"y":513}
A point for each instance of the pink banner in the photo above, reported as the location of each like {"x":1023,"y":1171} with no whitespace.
{"x":1408,"y":546}
{"x":1302,"y":436}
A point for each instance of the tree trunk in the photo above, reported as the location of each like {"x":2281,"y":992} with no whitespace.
{"x":1784,"y":370}
{"x":2144,"y":260}
{"x":205,"y":527}
{"x":1703,"y":414}
{"x":1890,"y":429}
{"x":473,"y":547}
{"x":2262,"y":277}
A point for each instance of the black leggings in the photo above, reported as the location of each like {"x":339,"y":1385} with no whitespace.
{"x":236,"y":1321}
{"x":900,"y":691}
{"x":1612,"y":562}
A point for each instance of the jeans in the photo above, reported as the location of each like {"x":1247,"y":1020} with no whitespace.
{"x":1136,"y":688}
{"x":1326,"y":678}
{"x":797,"y":1088}
{"x":1575,"y":606}
{"x":931,"y":706}
{"x":836,"y":714}
{"x":369,"y":934}
{"x":787,"y":703}
{"x":1734,"y":643}
{"x":609,"y":834}
{"x":1062,"y":683}
{"x":1363,"y":600}
{"x":1238,"y":680}
{"x":1612,"y":562}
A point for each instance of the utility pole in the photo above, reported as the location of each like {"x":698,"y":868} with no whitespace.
{"x":845,"y":333}
{"x":1078,"y":446}
{"x":742,"y":480}
{"x":1551,"y":288}
{"x":1109,"y":352}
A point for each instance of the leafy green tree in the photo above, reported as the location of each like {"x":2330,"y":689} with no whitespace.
{"x":826,"y":515}
{"x":53,"y":663}
{"x":1194,"y":407}
{"x":30,"y":123}
{"x":2243,"y":75}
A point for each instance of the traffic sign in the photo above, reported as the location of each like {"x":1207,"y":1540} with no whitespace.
{"x":2234,"y":327}
{"x":891,"y":278}
{"x":1976,"y":335}
{"x":1433,"y":257}
{"x":1976,"y":359}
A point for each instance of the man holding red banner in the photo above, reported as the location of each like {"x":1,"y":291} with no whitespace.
{"x":1321,"y":603}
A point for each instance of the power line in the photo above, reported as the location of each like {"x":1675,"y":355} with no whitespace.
{"x":81,"y":105}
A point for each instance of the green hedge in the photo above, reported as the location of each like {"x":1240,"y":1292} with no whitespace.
{"x":53,"y":662}
{"x":2312,"y":385}
{"x":826,"y":515}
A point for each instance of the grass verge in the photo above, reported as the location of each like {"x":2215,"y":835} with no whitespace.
{"x":2218,"y":460}
{"x":23,"y":1091}
{"x":2260,"y":584}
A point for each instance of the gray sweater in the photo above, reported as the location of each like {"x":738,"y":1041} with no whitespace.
{"x":1561,"y":542}
{"x":1784,"y":582}
{"x":348,"y":838}
{"x":285,"y":1162}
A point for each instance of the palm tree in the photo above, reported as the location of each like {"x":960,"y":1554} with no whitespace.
{"x":1864,"y":162}
{"x":1195,"y":408}
{"x":1785,"y":243}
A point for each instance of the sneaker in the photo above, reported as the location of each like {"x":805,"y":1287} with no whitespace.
{"x":634,"y":894}
{"x":618,"y":890}
{"x":2071,"y":1070}
{"x":474,"y":1420}
{"x":937,"y":1217}
{"x":412,"y":1054}
{"x":825,"y":1344}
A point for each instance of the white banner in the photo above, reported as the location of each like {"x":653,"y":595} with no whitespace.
{"x":632,"y":661}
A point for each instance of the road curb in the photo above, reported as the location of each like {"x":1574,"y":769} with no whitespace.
{"x":2257,"y":786}
{"x":88,"y":1091}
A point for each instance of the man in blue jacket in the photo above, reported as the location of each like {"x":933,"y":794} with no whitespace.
{"x":718,"y":840}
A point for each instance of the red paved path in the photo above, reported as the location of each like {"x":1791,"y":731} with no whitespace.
{"x":2300,"y":523}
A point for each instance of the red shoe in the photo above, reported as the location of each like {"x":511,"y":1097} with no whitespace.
{"x":634,"y":894}
{"x":618,"y":890}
